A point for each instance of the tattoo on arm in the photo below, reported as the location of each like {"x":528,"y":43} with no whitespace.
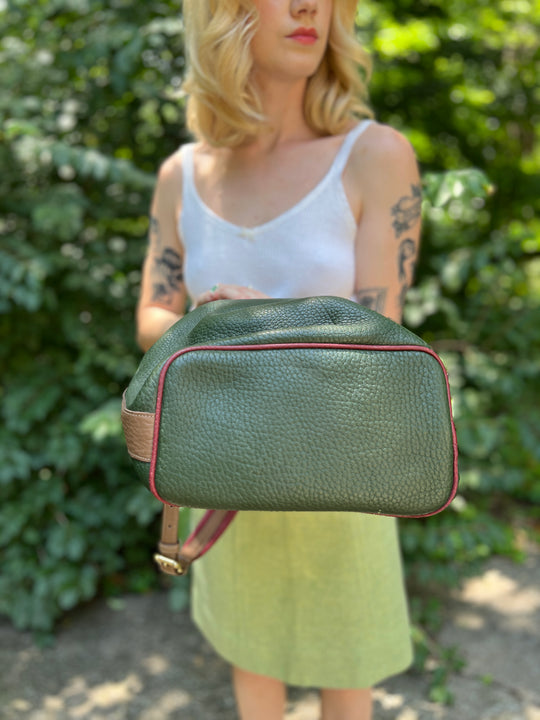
{"x":155,"y":236}
{"x":166,"y":270}
{"x":167,"y":274}
{"x":406,"y":267}
{"x":372,"y":298}
{"x":407,"y":211}
{"x":407,"y":250}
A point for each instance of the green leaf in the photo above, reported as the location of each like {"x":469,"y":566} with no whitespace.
{"x":104,"y":422}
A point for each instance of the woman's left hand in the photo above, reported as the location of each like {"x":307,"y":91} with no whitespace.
{"x":229,"y":292}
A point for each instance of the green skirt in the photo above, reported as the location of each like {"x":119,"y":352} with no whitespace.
{"x":312,"y":599}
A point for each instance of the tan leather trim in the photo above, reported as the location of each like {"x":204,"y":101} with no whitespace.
{"x":138,"y":431}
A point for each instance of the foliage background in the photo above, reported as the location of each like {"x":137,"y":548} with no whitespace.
{"x":90,"y":103}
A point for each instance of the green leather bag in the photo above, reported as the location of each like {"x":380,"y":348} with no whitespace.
{"x":316,"y":404}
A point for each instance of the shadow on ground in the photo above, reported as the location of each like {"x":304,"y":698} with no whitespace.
{"x":137,"y":660}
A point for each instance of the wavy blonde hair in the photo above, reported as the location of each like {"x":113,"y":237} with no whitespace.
{"x":224,"y":107}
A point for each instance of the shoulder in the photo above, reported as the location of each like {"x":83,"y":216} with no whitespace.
{"x":172,"y":170}
{"x":382,"y":152}
{"x":169,"y":173}
{"x":169,"y":183}
{"x":381,"y":166}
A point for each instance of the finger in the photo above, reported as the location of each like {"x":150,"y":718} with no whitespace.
{"x":205,"y":297}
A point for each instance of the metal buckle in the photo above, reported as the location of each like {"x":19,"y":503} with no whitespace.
{"x":169,"y":565}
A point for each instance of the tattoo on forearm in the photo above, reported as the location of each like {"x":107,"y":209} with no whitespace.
{"x":406,"y":267}
{"x":407,"y":211}
{"x":166,"y":270}
{"x":372,"y":298}
{"x":407,"y":252}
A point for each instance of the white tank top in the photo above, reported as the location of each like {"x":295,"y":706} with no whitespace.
{"x":307,"y":250}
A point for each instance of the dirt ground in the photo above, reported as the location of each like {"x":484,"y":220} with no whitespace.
{"x":134,"y":659}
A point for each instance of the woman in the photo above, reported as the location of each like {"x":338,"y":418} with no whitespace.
{"x":290,"y":191}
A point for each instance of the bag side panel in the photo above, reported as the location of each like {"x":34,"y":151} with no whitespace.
{"x":153,"y":360}
{"x":142,"y":471}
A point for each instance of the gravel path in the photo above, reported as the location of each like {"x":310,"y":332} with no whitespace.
{"x":133,"y":659}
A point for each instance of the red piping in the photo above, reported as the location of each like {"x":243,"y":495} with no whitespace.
{"x":224,"y":524}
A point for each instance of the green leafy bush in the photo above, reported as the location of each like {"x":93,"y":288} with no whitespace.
{"x":89,"y":106}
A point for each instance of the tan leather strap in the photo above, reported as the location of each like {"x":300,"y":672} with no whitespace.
{"x":171,"y":558}
{"x":139,"y":432}
{"x":175,"y":560}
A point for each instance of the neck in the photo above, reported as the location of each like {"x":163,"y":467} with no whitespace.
{"x":283,"y":105}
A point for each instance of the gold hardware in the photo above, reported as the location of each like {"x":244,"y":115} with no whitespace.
{"x":169,"y":565}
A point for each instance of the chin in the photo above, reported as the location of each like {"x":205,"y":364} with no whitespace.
{"x":298,"y":71}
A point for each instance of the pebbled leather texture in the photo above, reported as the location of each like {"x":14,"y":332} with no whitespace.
{"x":297,"y":428}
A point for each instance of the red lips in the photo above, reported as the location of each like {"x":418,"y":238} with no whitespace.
{"x":305,"y":32}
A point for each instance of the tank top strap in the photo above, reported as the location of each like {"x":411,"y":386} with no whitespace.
{"x":188,"y":172}
{"x":347,"y":145}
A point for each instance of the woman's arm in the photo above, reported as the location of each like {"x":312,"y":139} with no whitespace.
{"x":163,"y":293}
{"x":384,"y":170}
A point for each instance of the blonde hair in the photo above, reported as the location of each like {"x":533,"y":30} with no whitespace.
{"x":223,"y":104}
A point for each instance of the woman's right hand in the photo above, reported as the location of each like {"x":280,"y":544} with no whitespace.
{"x":229,"y":292}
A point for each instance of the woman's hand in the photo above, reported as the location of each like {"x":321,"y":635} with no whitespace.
{"x":229,"y":292}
